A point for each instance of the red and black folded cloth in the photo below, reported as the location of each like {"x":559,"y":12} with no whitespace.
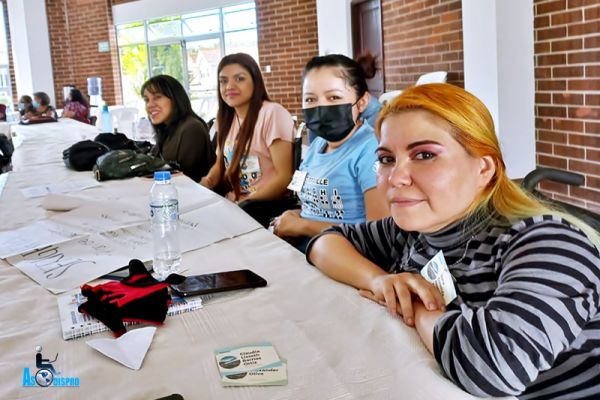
{"x":137,"y":298}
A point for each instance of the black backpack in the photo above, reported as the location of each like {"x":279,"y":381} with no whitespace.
{"x":115,"y":141}
{"x":121,"y":164}
{"x":6,"y":152}
{"x":118,"y":141}
{"x":83,"y":155}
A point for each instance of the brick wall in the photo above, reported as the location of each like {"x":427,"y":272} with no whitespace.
{"x":421,"y":36}
{"x":76,"y":27}
{"x":567,"y":71}
{"x":287,"y":39}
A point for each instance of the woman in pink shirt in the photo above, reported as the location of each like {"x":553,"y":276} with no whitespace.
{"x":77,"y":107}
{"x":255,"y":135}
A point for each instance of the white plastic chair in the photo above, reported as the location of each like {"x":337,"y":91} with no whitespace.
{"x":388,"y":96}
{"x":430,"y":77}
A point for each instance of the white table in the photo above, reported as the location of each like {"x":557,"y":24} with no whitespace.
{"x":338,"y":345}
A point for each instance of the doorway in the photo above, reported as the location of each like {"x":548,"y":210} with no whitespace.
{"x":367,"y":37}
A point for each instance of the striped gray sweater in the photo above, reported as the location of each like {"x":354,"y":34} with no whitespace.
{"x":526,"y":321}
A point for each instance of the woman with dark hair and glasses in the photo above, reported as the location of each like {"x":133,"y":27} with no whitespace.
{"x":255,"y":135}
{"x":181,"y":135}
{"x":77,"y":107}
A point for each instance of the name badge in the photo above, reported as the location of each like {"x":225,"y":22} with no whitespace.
{"x":297,"y":181}
{"x":436,"y":272}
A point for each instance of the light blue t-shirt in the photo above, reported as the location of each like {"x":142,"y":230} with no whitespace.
{"x":336,"y":182}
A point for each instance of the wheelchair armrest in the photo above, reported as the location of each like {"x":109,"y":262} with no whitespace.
{"x":539,"y":174}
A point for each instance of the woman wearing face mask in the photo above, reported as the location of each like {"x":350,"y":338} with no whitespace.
{"x":25,"y":105}
{"x":181,"y":135}
{"x":521,"y":315}
{"x":368,"y":63}
{"x":254,"y":155}
{"x":340,"y":180}
{"x":42,"y":107}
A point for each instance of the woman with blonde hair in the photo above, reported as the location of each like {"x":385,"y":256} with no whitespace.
{"x":517,"y":309}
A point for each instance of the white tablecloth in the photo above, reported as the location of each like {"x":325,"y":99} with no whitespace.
{"x":337,"y":344}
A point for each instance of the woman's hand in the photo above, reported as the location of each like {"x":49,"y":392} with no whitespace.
{"x":288,"y":224}
{"x":393,"y":289}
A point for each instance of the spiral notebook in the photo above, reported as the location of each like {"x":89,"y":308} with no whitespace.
{"x":75,"y":324}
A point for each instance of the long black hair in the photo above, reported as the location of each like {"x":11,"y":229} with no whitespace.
{"x":225,"y":115}
{"x":181,"y":107}
{"x":352,"y":72}
{"x":76,"y":95}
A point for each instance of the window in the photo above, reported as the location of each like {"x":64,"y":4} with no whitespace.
{"x":187,"y":47}
{"x":5,"y":87}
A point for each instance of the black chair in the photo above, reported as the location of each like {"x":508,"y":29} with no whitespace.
{"x":6,"y":152}
{"x":570,"y":178}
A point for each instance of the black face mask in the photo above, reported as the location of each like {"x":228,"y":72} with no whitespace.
{"x":332,"y":123}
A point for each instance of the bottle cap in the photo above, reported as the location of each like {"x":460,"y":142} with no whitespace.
{"x":162,"y":175}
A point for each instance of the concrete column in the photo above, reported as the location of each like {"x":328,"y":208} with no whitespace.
{"x":334,"y":26}
{"x":31,"y":47}
{"x":498,"y":41}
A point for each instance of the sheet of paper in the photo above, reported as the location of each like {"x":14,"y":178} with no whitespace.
{"x":35,"y":236}
{"x":59,"y":187}
{"x":84,"y":245}
{"x":65,"y":266}
{"x":91,"y":218}
{"x":129,"y":349}
{"x":102,"y":217}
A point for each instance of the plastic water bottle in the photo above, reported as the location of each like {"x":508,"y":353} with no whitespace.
{"x":164,"y":218}
{"x":144,"y":129}
{"x":106,"y":120}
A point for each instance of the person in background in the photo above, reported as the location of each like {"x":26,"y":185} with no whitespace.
{"x":77,"y":107}
{"x":25,"y":105}
{"x":340,"y":182}
{"x":41,"y":108}
{"x":369,"y":64}
{"x":181,"y":135}
{"x":525,"y":320}
{"x":2,"y":112}
{"x":255,"y":135}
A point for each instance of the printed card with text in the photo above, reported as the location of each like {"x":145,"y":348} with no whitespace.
{"x":251,"y":365}
{"x":436,"y":272}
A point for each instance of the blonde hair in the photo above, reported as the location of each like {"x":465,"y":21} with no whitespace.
{"x":473,"y":127}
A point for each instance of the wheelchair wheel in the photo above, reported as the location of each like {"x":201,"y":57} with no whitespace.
{"x":44,"y":377}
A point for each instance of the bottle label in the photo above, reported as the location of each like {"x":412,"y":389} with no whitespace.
{"x":164,"y":212}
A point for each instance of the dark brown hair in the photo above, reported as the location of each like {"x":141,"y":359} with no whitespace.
{"x":368,"y":63}
{"x":231,"y":177}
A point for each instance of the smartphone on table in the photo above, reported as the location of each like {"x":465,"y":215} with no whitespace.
{"x":218,"y":282}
